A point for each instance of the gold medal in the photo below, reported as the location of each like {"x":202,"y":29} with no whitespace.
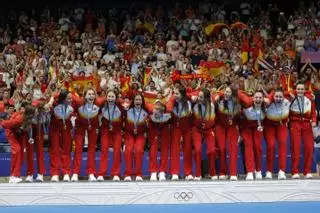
{"x":230,"y":122}
{"x":65,"y":126}
{"x":260,"y":128}
{"x":110,"y":128}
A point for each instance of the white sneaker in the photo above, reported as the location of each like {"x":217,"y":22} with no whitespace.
{"x":197,"y":178}
{"x":233,"y":178}
{"x":214,"y":177}
{"x":139,"y":179}
{"x":92,"y":178}
{"x":66,"y":178}
{"x":175,"y":178}
{"x":39,"y":178}
{"x":75,"y":178}
{"x":249,"y":176}
{"x":55,"y":178}
{"x":127,"y":179}
{"x":268,"y":175}
{"x":116,"y":178}
{"x":189,"y":177}
{"x":308,"y":176}
{"x":153,"y":176}
{"x":14,"y":179}
{"x":162,"y":176}
{"x":100,"y":178}
{"x":258,"y":175}
{"x":222,"y":177}
{"x":296,"y":176}
{"x":281,"y":175}
{"x":29,"y":179}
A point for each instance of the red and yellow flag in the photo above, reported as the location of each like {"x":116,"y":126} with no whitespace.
{"x":147,"y":75}
{"x":79,"y":83}
{"x":212,"y":68}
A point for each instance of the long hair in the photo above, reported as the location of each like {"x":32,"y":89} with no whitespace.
{"x":28,"y":114}
{"x":207,"y":100}
{"x":63,"y":96}
{"x":184,"y":99}
{"x":263,"y":105}
{"x":234,"y":99}
{"x":87,"y":89}
{"x":134,"y":97}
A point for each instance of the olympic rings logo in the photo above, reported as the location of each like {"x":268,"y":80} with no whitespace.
{"x":183,"y":196}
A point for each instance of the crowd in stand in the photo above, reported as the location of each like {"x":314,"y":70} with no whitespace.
{"x":172,"y":77}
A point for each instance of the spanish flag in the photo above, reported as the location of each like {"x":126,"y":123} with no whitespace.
{"x":147,"y":75}
{"x":124,"y":83}
{"x":212,"y":68}
{"x":79,"y":83}
{"x":150,"y":98}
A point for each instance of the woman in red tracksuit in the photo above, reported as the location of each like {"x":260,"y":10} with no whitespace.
{"x":226,"y":130}
{"x":302,"y":119}
{"x":276,"y":130}
{"x":87,"y":121}
{"x":251,"y":130}
{"x":18,"y":132}
{"x":181,"y":127}
{"x":60,"y":137}
{"x":136,"y":123}
{"x":40,"y":130}
{"x":111,"y":135}
{"x":203,"y":129}
{"x":159,"y":133}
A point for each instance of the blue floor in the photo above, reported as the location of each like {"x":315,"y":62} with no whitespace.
{"x":292,"y":207}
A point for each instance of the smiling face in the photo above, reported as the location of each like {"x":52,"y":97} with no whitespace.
{"x":90,"y":96}
{"x":227,"y":93}
{"x":201,"y":97}
{"x":300,"y":89}
{"x":258,"y":98}
{"x":278,"y":97}
{"x":138,"y":101}
{"x":111,"y":97}
{"x":177,"y":95}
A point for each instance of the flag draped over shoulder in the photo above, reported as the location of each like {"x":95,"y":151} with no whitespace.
{"x":212,"y":68}
{"x":79,"y":83}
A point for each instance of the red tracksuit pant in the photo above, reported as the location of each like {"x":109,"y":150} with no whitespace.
{"x":272,"y":135}
{"x":208,"y":136}
{"x":60,"y":147}
{"x":18,"y":143}
{"x":175,"y":151}
{"x":252,"y":148}
{"x":156,"y":137}
{"x":134,"y":145}
{"x":110,"y":138}
{"x":227,"y":138}
{"x":302,"y":130}
{"x":92,"y":142}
